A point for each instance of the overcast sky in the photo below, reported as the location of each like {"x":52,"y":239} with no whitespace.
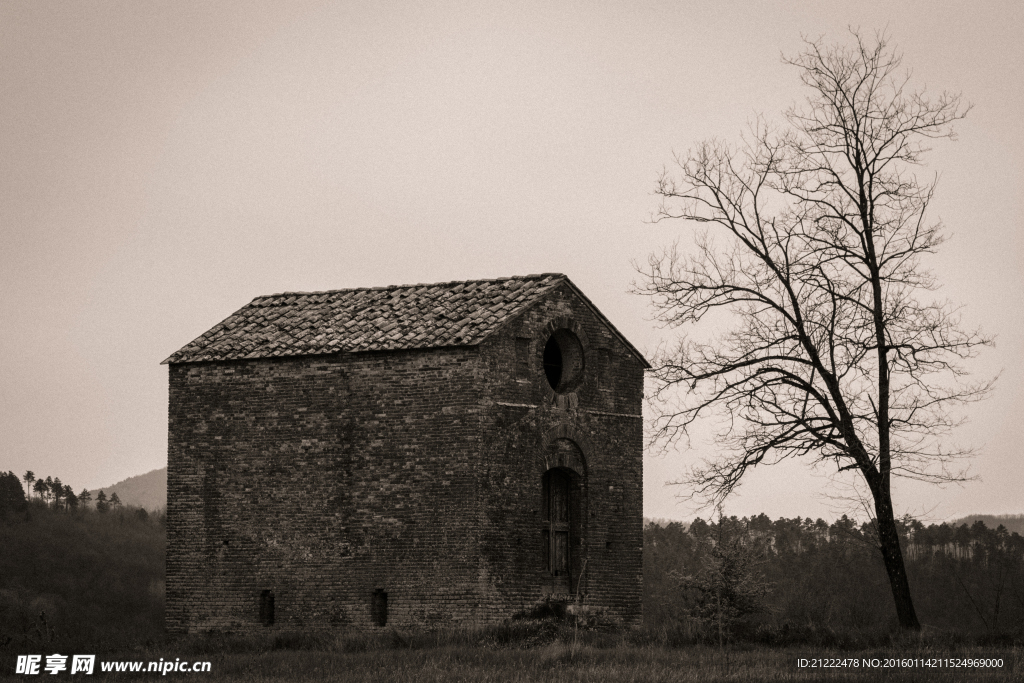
{"x":162,"y":163}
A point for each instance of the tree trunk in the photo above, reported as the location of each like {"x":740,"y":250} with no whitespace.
{"x":889,"y":544}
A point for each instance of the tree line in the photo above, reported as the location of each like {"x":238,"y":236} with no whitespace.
{"x":73,"y":579}
{"x":798,"y":580}
{"x":50,"y":492}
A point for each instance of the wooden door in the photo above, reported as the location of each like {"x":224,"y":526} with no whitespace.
{"x":557,"y":491}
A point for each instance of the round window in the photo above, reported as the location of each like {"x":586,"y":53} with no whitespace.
{"x":563,"y":361}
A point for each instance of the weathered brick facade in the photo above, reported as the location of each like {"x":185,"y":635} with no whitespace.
{"x":322,"y":488}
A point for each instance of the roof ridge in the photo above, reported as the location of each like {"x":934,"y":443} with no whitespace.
{"x":535,"y":276}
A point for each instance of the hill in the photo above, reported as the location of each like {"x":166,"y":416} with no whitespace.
{"x":80,"y":581}
{"x":1013,"y":523}
{"x":662,"y":521}
{"x":147,"y":490}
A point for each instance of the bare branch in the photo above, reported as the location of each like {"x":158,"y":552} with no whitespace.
{"x":810,"y":243}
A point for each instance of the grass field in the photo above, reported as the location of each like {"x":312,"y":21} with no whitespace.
{"x":93,"y":584}
{"x":563,"y":662}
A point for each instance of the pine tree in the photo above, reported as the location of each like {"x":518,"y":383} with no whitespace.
{"x":70,"y":499}
{"x":40,"y":489}
{"x":57,"y":489}
{"x":12,"y":497}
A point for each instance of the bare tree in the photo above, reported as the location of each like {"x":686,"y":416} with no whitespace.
{"x":811,"y":244}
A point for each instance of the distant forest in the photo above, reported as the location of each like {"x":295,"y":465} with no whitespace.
{"x":147,"y":491}
{"x":76,"y":573}
{"x":1013,"y":523}
{"x":50,"y":492}
{"x":92,"y":577}
{"x":794,"y":580}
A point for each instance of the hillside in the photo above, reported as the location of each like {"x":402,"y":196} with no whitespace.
{"x":662,"y":521}
{"x":1013,"y":523}
{"x":80,"y":581}
{"x":147,"y":490}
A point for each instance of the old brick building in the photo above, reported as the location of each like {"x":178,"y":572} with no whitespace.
{"x":416,"y":455}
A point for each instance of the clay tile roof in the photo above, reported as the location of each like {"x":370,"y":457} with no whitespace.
{"x":378,"y":319}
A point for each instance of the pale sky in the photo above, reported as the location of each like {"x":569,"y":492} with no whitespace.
{"x":165,"y":162}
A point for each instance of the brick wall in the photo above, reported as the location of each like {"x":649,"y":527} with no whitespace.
{"x":530,"y":426}
{"x":322,"y":479}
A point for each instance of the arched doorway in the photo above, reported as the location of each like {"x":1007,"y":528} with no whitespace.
{"x":563,"y":484}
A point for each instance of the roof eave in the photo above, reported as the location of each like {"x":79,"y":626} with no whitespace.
{"x":332,"y":352}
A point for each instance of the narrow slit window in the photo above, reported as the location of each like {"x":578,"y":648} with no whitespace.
{"x":379,"y":607}
{"x":267,"y":607}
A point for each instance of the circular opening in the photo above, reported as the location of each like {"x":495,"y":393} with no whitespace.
{"x":563,"y":361}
